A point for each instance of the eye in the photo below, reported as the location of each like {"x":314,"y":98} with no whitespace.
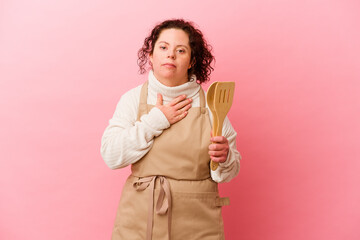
{"x":181,"y":50}
{"x":162,"y":47}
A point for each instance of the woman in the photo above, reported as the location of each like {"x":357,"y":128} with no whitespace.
{"x":163,"y":129}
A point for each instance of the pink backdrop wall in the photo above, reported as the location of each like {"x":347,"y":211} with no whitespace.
{"x":65,"y":64}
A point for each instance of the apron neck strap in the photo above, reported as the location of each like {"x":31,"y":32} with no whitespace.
{"x":143,"y":108}
{"x":202,"y":101}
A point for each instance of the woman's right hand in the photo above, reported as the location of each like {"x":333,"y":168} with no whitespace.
{"x":175,"y":110}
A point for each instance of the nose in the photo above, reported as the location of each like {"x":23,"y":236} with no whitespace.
{"x":171,"y":54}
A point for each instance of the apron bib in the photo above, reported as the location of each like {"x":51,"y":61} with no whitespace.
{"x":170,"y":194}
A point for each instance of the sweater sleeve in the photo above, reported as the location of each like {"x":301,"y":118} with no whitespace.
{"x":125,"y":140}
{"x":231,"y":167}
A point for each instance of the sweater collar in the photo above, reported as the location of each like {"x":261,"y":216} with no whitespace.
{"x":190,"y":88}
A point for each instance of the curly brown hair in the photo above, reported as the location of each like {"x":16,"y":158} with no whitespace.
{"x":200,"y":50}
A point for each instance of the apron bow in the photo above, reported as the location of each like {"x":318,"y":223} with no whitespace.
{"x":163,"y":204}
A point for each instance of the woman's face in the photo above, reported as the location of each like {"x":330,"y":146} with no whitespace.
{"x":171,"y":57}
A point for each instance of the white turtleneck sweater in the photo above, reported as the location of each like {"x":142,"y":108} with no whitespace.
{"x":125,"y":140}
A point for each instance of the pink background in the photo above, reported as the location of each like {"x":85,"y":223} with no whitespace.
{"x":65,"y":64}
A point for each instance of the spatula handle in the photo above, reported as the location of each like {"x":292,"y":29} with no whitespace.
{"x":214,"y":165}
{"x":217,"y":131}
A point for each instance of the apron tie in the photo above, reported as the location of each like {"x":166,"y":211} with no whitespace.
{"x":161,"y":206}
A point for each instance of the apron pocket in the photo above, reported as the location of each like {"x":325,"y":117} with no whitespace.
{"x":196,"y":216}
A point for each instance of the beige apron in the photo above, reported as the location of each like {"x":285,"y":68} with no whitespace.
{"x":170,"y":194}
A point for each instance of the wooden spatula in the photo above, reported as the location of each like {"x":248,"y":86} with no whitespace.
{"x":223,"y":98}
{"x":210,"y":101}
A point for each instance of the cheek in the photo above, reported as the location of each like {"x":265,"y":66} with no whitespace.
{"x":155,"y":59}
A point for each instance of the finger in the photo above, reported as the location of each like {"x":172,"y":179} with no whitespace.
{"x":180,"y":111}
{"x":216,"y":153}
{"x":177,"y":100}
{"x":218,"y":159}
{"x":214,"y":147}
{"x":219,"y":139}
{"x":159,"y":100}
{"x":181,"y":116}
{"x":183,"y":103}
{"x":218,"y":147}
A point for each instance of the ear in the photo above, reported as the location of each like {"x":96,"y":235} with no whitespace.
{"x":151,"y":59}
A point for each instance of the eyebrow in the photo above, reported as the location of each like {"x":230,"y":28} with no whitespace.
{"x":176,"y":46}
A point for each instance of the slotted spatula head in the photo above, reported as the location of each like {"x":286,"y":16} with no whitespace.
{"x":223,"y":98}
{"x":224,"y":94}
{"x":210,"y":101}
